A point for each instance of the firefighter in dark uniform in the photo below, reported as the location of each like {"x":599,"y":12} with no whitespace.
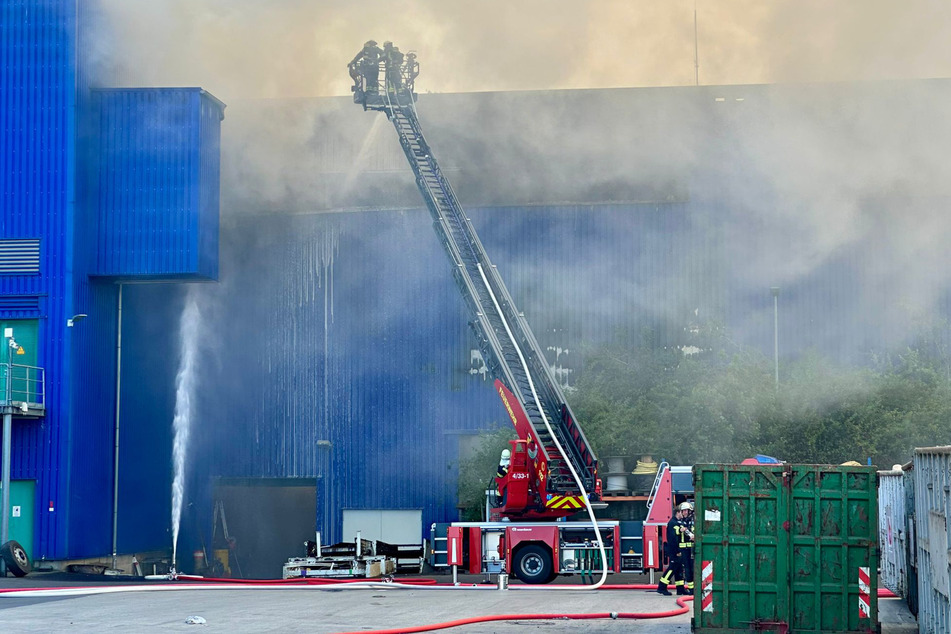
{"x":411,"y":69}
{"x":685,"y":532}
{"x":673,"y":561}
{"x":679,"y":549}
{"x":394,"y":66}
{"x":366,"y":63}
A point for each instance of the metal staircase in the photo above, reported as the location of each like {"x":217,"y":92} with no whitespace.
{"x":511,"y":352}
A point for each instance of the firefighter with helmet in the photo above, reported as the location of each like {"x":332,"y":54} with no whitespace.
{"x":366,"y":64}
{"x":393,"y":59}
{"x":679,"y":548}
{"x":504,"y":461}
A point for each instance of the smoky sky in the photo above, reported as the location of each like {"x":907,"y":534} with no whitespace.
{"x":298,"y":48}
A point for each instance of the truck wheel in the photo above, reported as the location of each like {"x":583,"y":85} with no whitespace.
{"x":17,"y":561}
{"x":533,"y":564}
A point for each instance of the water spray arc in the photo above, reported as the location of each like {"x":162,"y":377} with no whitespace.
{"x":185,"y":380}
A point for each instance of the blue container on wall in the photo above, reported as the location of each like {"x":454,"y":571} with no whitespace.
{"x":156,"y":182}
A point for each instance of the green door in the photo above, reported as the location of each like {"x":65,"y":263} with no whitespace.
{"x":742,"y":546}
{"x":834,"y":536}
{"x":26,"y":334}
{"x":22,"y":503}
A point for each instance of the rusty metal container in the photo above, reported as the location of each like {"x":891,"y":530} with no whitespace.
{"x":785,"y":547}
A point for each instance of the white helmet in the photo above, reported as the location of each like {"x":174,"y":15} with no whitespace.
{"x":685,"y":506}
{"x":506,"y":454}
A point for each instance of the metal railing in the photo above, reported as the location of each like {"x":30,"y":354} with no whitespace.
{"x":22,"y":384}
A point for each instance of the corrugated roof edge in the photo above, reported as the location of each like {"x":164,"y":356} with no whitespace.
{"x":945,"y":449}
{"x":218,"y":102}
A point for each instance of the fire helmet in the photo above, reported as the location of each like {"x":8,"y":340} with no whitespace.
{"x":685,"y":506}
{"x":506,"y":454}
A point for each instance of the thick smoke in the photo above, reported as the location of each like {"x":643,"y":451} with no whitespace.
{"x":298,"y":48}
{"x":801,"y":179}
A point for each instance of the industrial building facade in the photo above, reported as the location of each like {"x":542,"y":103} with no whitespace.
{"x":106,"y":186}
{"x":336,"y":375}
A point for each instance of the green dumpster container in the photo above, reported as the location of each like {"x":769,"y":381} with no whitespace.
{"x":785,"y":548}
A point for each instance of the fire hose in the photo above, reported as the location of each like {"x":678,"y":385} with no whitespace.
{"x":533,"y":617}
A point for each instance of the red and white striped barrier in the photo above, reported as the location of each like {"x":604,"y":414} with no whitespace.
{"x":864,"y":599}
{"x":706,"y":587}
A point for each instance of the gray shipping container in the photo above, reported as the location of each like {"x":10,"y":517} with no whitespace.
{"x":932,"y":492}
{"x":892,"y":533}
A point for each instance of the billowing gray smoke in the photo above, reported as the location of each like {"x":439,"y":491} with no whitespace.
{"x":799,"y":179}
{"x":298,"y":48}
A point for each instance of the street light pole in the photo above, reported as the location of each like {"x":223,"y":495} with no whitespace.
{"x":775,"y":290}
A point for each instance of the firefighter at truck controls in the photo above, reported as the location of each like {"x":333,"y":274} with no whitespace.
{"x":504,"y":461}
{"x":679,"y":548}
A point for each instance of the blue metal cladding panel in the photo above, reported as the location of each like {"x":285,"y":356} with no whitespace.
{"x":209,"y":158}
{"x":158,"y":152}
{"x":37,"y":99}
{"x":150,"y":325}
{"x":348,"y":329}
{"x":580,"y":272}
{"x":91,"y":342}
{"x":92,"y":345}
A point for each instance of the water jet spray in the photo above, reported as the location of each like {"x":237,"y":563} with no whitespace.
{"x":185,"y":380}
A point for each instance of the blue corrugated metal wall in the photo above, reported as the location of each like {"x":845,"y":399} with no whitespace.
{"x":210,"y":115}
{"x":348,"y":328}
{"x":36,"y":193}
{"x":157,"y":184}
{"x":47,"y":119}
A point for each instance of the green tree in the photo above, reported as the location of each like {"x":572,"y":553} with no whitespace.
{"x":477,"y":473}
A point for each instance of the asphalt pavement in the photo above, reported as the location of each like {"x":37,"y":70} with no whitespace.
{"x":133,"y":605}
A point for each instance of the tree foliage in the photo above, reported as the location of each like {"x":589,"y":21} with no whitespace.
{"x":720,"y":403}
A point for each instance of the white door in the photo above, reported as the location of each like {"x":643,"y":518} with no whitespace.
{"x":393,"y":526}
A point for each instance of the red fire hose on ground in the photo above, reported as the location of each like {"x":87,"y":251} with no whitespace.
{"x":533,"y":617}
{"x":416,"y":583}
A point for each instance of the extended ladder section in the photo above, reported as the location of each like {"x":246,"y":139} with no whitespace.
{"x":508,"y":345}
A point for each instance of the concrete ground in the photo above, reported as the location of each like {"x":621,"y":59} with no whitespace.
{"x":320,"y":609}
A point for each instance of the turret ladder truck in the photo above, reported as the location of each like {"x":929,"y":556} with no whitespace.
{"x":553,"y":469}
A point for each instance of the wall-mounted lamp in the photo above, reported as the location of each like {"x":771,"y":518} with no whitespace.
{"x":74,"y":319}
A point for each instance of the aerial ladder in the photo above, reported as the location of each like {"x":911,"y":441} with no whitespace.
{"x":551,"y":455}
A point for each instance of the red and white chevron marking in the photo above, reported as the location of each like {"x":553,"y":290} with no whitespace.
{"x":706,"y":587}
{"x":864,"y":599}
